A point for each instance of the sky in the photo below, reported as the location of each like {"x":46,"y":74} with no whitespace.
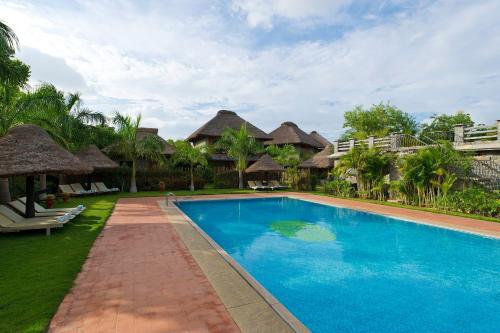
{"x":271,"y":61}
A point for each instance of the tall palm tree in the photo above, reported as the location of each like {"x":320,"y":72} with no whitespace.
{"x":186,"y":153}
{"x":133,"y":148}
{"x":240,"y":146}
{"x":8,"y":39}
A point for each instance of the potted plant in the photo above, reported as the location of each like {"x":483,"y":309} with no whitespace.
{"x":49,"y":200}
{"x":162,"y":186}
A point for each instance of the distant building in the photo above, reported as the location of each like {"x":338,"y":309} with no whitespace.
{"x":321,"y":139}
{"x":290,"y":133}
{"x":212,"y":131}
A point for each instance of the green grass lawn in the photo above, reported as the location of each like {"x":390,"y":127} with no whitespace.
{"x":36,"y":271}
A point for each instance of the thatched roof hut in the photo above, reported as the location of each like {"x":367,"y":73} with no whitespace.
{"x":95,"y":158}
{"x":265,"y":164}
{"x":321,"y":139}
{"x":290,"y":133}
{"x":320,"y":160}
{"x":28,"y":150}
{"x":142,"y":132}
{"x":215,"y":127}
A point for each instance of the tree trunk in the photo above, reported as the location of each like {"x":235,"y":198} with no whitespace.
{"x":240,"y":176}
{"x":43,"y":187}
{"x":191,"y":186}
{"x":133,"y":185}
{"x":4,"y":190}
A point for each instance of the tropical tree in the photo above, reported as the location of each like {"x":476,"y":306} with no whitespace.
{"x":240,"y":145}
{"x":287,"y":156}
{"x":380,"y":120}
{"x":186,"y":154}
{"x":133,"y":148}
{"x":442,"y":126}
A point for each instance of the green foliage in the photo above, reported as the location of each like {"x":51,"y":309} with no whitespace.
{"x":186,"y":154}
{"x":475,"y":200}
{"x":226,"y":179}
{"x":442,"y":126}
{"x":289,"y":157}
{"x":380,"y":120}
{"x":339,"y":187}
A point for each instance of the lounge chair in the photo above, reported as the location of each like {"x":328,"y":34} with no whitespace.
{"x":40,"y":209}
{"x":276,"y":185}
{"x":94,"y":188}
{"x":254,"y":186}
{"x":12,"y":222}
{"x":66,"y":189}
{"x":262,"y":186}
{"x":101,"y":186}
{"x":78,"y":188}
{"x":21,"y":208}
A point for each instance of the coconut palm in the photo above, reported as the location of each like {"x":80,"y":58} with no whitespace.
{"x":185,"y":153}
{"x":133,"y":148}
{"x":240,"y":145}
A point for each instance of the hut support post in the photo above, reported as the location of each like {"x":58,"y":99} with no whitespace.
{"x":30,"y":197}
{"x":89,"y":182}
{"x":4,"y":190}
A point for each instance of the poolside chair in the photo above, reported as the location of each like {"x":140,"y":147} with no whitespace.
{"x":78,"y":188}
{"x":101,"y":186}
{"x":40,"y":209}
{"x":66,"y":189}
{"x":21,"y":208}
{"x":94,"y":188}
{"x":254,"y":186}
{"x":10,"y":221}
{"x":262,"y":186}
{"x":276,"y":185}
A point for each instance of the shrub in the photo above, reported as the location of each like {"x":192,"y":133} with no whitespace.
{"x":339,"y":187}
{"x":226,"y":179}
{"x":475,"y":201}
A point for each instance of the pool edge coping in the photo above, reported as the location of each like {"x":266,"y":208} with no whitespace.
{"x":283,"y":313}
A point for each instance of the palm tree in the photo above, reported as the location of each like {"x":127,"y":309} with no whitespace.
{"x":133,"y":148}
{"x":240,"y":146}
{"x":287,"y":156}
{"x":186,"y":153}
{"x":8,"y":39}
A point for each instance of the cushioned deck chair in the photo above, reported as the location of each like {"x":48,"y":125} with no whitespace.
{"x":78,"y":188}
{"x":21,"y":208}
{"x":94,"y":188}
{"x":275,"y":184}
{"x":262,"y":186}
{"x":101,"y":186}
{"x":252,"y":185}
{"x":66,"y":189}
{"x":12,"y":222}
{"x":40,"y":209}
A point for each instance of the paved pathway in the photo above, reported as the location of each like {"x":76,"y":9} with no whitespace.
{"x":140,"y":277}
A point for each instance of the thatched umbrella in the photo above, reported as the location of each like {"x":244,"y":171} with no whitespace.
{"x":265,"y":164}
{"x":28,"y":150}
{"x":93,"y":157}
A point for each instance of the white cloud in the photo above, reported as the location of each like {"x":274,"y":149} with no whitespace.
{"x":179,"y":65}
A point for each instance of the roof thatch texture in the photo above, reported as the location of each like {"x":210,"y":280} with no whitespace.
{"x":226,"y":119}
{"x":28,"y":150}
{"x":265,"y":164}
{"x":321,"y":139}
{"x":290,"y":133}
{"x":142,"y":132}
{"x":95,"y":158}
{"x":221,"y":157}
{"x":320,"y":160}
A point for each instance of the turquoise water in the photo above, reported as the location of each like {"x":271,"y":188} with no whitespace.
{"x":340,"y":270}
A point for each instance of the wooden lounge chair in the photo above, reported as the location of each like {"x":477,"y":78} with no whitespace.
{"x":21,"y":208}
{"x":254,"y":186}
{"x":276,"y":185}
{"x":94,"y":188}
{"x":66,"y":189}
{"x":78,"y":188}
{"x":262,"y":186}
{"x":40,"y":209}
{"x":12,"y":222}
{"x":101,"y":186}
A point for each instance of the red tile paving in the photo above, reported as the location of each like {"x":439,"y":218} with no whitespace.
{"x":140,"y":277}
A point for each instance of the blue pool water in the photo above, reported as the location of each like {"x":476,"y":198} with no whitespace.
{"x":340,"y":270}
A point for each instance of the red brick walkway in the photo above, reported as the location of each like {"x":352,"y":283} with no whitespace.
{"x":140,"y":277}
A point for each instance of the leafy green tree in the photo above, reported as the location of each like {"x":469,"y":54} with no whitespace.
{"x":442,"y":126}
{"x":185,"y":153}
{"x":239,"y":145}
{"x":380,"y":120}
{"x":287,"y":156}
{"x":133,"y":148}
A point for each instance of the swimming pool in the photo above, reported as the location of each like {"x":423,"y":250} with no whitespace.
{"x":341,"y":270}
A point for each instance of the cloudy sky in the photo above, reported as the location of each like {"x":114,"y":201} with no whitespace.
{"x":306,"y":61}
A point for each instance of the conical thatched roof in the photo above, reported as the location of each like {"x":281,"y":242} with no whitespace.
{"x":142,"y":132}
{"x":265,"y":164}
{"x":289,"y":133}
{"x":321,"y":139}
{"x":95,"y":158}
{"x":28,"y":150}
{"x":226,"y":119}
{"x":320,"y":160}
